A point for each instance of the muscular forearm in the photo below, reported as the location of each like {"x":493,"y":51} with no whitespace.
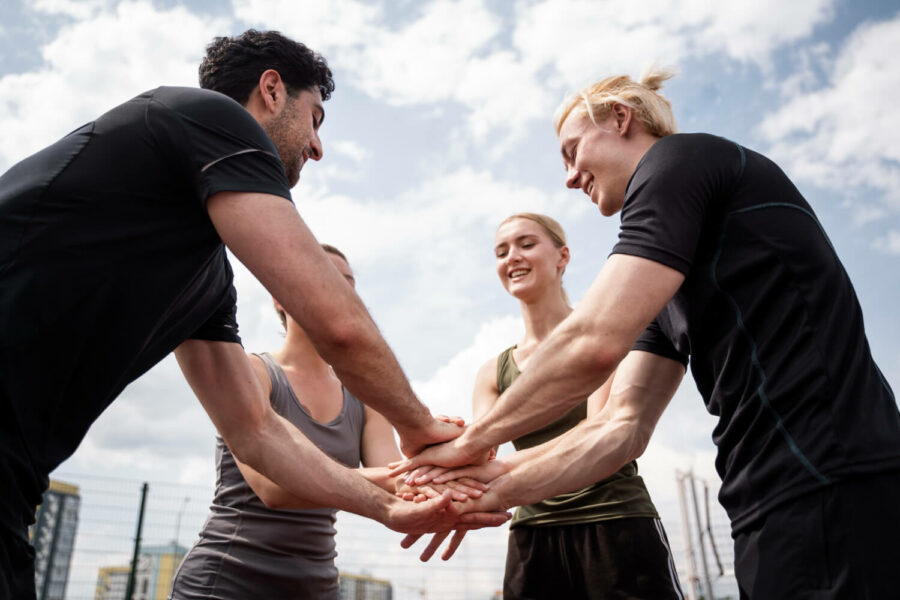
{"x":562,"y":372}
{"x":599,"y":449}
{"x":583,"y":350}
{"x":607,"y":440}
{"x":364,"y":363}
{"x":276,"y":496}
{"x":380,"y":476}
{"x":266,"y":234}
{"x":305,"y":476}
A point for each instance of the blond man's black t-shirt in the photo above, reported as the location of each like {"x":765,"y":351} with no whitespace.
{"x":768,"y":317}
{"x":108,"y":261}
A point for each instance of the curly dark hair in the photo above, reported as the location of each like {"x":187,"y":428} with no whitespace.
{"x":233,"y":65}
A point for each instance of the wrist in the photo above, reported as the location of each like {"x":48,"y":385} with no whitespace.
{"x":383,"y":507}
{"x":473,"y":443}
{"x":503,"y":489}
{"x":414,"y":422}
{"x":468,"y":444}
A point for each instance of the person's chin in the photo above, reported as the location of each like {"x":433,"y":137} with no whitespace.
{"x":609,"y":209}
{"x":293,"y":176}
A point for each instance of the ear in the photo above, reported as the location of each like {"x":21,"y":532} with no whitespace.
{"x":272,"y":91}
{"x":563,"y":258}
{"x":623,"y":116}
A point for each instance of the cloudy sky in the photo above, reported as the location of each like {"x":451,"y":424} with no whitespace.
{"x":440,"y":127}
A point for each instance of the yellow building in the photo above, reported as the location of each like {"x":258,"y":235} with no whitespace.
{"x":156,"y":568}
{"x":111,"y":583}
{"x":363,"y":587}
{"x":153,"y":579}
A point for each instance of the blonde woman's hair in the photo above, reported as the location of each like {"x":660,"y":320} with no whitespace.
{"x":550,"y":226}
{"x":651,"y":108}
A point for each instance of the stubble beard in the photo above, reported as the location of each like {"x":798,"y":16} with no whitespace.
{"x":279,"y":130}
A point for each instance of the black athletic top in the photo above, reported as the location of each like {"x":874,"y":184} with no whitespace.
{"x":768,"y":317}
{"x":108,"y":261}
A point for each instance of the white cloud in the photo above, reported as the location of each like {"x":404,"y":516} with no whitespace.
{"x":750,"y":31}
{"x":889,"y":243}
{"x":556,"y":45}
{"x":423,"y":259}
{"x":449,"y":390}
{"x":578,"y":37}
{"x":450,"y":208}
{"x":94,"y":64}
{"x":419,"y":61}
{"x":843,"y":134}
{"x":339,"y":26}
{"x":351,"y":150}
{"x":156,"y":426}
{"x":76,"y":9}
{"x":863,"y":209}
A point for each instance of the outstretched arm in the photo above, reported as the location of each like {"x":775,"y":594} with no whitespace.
{"x":599,"y":446}
{"x":222,"y":378}
{"x":378,"y":447}
{"x":269,"y":237}
{"x":574,"y":361}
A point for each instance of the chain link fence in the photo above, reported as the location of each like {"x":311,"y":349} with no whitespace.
{"x":372,"y":564}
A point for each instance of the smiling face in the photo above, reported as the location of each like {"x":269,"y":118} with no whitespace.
{"x":528,"y":262}
{"x":295,"y":131}
{"x":598,"y":159}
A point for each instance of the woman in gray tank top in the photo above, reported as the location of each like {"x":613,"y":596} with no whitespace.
{"x":259,"y":541}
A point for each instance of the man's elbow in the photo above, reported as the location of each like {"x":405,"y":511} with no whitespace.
{"x":598,"y":355}
{"x":640,"y":440}
{"x":244,"y":441}
{"x":340,"y":336}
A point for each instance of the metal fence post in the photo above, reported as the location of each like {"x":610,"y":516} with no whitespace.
{"x":707,"y":580}
{"x":129,"y":589}
{"x":694,"y":592}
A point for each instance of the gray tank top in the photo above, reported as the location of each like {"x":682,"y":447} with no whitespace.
{"x":246,"y":550}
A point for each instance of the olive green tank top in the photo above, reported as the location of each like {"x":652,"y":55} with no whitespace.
{"x":620,"y":495}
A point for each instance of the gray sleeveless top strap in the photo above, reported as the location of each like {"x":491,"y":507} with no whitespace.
{"x":248,"y":551}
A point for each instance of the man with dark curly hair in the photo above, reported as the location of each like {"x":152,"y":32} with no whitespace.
{"x":112,"y":255}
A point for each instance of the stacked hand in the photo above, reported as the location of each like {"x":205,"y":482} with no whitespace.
{"x":445,"y":471}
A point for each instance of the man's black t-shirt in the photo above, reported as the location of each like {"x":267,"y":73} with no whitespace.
{"x":768,"y":317}
{"x":108,"y":261}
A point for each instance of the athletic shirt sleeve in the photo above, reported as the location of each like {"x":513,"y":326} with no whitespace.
{"x":670,"y":195}
{"x":676,"y":189}
{"x":222,"y":326}
{"x":217,"y":144}
{"x":653,"y":340}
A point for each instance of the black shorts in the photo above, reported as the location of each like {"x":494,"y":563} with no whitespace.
{"x":619,"y":558}
{"x":836,"y":543}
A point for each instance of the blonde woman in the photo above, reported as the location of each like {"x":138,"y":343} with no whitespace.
{"x":720,"y":259}
{"x":604,"y":540}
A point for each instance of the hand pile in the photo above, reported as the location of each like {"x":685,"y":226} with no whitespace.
{"x":441,"y":472}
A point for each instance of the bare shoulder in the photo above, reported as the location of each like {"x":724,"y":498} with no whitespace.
{"x":486,"y":391}
{"x":373,"y":415}
{"x":262,"y":375}
{"x":486,"y":378}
